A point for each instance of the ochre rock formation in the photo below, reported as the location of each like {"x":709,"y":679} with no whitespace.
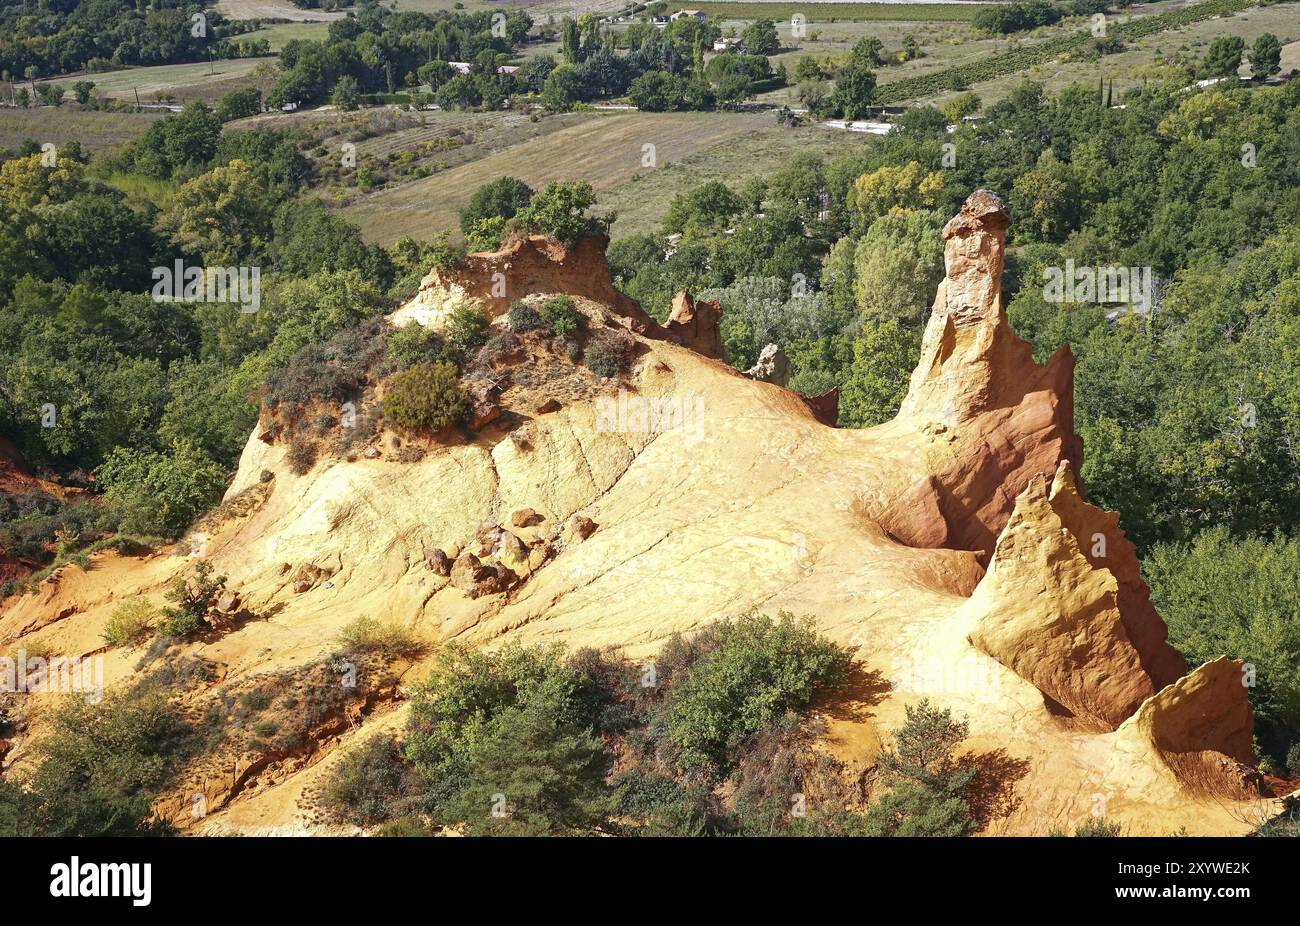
{"x":695,"y":325}
{"x":1201,"y":729}
{"x":1051,"y":610}
{"x":493,"y":280}
{"x":615,"y":512}
{"x":825,"y":407}
{"x":977,"y":386}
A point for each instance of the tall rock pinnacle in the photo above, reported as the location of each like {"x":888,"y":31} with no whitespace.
{"x":994,"y":418}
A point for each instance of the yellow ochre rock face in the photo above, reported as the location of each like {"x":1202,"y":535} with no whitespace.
{"x":1050,"y":608}
{"x":599,"y":512}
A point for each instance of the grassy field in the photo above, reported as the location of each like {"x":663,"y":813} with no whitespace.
{"x":606,"y":149}
{"x":272,"y":9}
{"x":843,"y":12}
{"x":280,"y":33}
{"x":198,"y":80}
{"x":94,"y":130}
{"x":1129,"y":67}
{"x":642,"y":201}
{"x":1290,"y":56}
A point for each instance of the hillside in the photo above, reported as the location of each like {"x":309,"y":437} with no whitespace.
{"x":950,"y":548}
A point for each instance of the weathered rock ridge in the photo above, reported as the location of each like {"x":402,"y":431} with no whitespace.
{"x":491,"y":281}
{"x":948,"y":548}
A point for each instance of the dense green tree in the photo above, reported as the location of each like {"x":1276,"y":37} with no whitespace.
{"x":760,"y":669}
{"x":1265,"y":56}
{"x":159,"y":494}
{"x":1237,"y":598}
{"x":855,"y":91}
{"x":497,"y":199}
{"x":866,"y":53}
{"x":760,"y":38}
{"x":1224,"y":56}
{"x":704,"y":209}
{"x":558,"y":211}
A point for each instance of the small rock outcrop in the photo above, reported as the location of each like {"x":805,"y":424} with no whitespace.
{"x":477,"y":578}
{"x":694,"y":324}
{"x":437,"y":562}
{"x":825,"y":407}
{"x":1050,"y":608}
{"x":491,"y":281}
{"x":773,"y":366}
{"x":1201,"y":729}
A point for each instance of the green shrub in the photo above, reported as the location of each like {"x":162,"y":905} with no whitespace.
{"x":193,"y":598}
{"x":757,"y":671}
{"x":1286,"y":823}
{"x":467,"y":329}
{"x":1098,"y":826}
{"x":486,"y":235}
{"x":558,"y":211}
{"x":130,"y":622}
{"x":529,"y":773}
{"x":333,"y":371}
{"x":405,"y":826}
{"x":663,"y":806}
{"x":911,"y":809}
{"x":371,"y":784}
{"x":159,"y":494}
{"x":412,"y":345}
{"x":608,"y":356}
{"x":561,"y":313}
{"x":367,"y":635}
{"x":515,"y":723}
{"x":101,"y":766}
{"x":31,"y":522}
{"x":301,"y":455}
{"x":524,"y":317}
{"x":427,"y":397}
{"x":930,"y":784}
{"x":497,"y":200}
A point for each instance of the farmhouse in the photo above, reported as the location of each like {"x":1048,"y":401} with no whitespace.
{"x":464,"y":67}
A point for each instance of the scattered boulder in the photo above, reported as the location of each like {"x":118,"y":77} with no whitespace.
{"x":550,"y":405}
{"x":577,"y":529}
{"x":487,"y":540}
{"x":438,"y":562}
{"x":227,"y":602}
{"x":477,"y":578}
{"x":525,"y":517}
{"x":773,"y":366}
{"x":513,"y":550}
{"x":484,"y":408}
{"x":308,"y":576}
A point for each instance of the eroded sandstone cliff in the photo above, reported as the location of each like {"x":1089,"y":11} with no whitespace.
{"x":682,"y":492}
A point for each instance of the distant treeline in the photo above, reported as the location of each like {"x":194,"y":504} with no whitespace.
{"x":47,"y":38}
